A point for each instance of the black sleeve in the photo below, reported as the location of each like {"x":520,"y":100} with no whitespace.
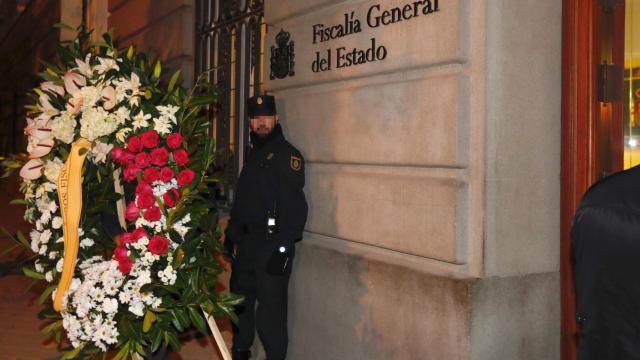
{"x":292,"y":205}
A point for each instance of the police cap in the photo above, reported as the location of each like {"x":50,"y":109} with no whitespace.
{"x":261,"y":105}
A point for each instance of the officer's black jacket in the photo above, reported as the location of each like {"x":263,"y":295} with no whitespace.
{"x":272,"y":177}
{"x":606,"y":250}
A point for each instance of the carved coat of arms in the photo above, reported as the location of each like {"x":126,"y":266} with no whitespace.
{"x":282,"y":57}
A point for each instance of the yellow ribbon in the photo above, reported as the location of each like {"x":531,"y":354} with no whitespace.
{"x":70,"y":198}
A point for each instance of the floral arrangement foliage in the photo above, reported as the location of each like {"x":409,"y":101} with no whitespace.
{"x":140,"y":291}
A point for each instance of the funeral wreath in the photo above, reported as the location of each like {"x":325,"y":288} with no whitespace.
{"x":109,"y":138}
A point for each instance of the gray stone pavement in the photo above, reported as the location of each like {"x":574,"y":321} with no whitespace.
{"x":20,"y":337}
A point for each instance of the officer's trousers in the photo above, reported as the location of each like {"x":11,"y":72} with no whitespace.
{"x":250,"y":279}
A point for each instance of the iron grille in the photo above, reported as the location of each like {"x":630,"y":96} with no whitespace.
{"x":230,"y":47}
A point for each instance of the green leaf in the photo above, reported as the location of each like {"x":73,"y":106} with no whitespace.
{"x":22,"y":239}
{"x":18,"y":202}
{"x":157,"y":339}
{"x":202,"y":100}
{"x":32,"y":274}
{"x":172,"y":339}
{"x":198,"y":320}
{"x":122,"y":354}
{"x":45,"y":294}
{"x":176,"y":322}
{"x":157,"y":70}
{"x":71,"y":354}
{"x":149,"y":319}
{"x":51,"y":327}
{"x":174,"y":79}
{"x":82,"y":151}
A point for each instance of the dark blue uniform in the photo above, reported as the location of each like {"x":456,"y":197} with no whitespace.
{"x":270,"y":185}
{"x":606,"y":250}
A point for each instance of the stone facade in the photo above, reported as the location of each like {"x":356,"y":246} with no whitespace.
{"x":433,"y":179}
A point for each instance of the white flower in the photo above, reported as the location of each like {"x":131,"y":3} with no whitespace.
{"x":95,"y":123}
{"x":52,"y":169}
{"x":63,"y":127}
{"x":56,"y":223}
{"x":137,"y":308}
{"x":168,"y":111}
{"x":86,"y":243}
{"x":121,"y":135}
{"x":39,"y":267}
{"x":90,"y":96}
{"x":45,"y":236}
{"x":110,"y":306}
{"x":162,"y":125}
{"x":84,"y":66}
{"x":59,"y":265}
{"x":48,"y":276}
{"x":106,"y":65}
{"x":122,"y":115}
{"x":100,"y":151}
{"x":140,"y":120}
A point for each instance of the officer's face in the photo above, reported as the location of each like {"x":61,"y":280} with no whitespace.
{"x":263,"y":125}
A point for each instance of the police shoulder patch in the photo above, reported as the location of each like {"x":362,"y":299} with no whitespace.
{"x":296,"y":163}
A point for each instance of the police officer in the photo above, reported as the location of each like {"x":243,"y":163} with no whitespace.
{"x":606,"y":249}
{"x":267,"y":218}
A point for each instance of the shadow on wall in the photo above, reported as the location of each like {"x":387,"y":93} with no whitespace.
{"x":328,"y":294}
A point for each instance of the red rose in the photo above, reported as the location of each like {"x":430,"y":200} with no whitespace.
{"x":144,"y":188}
{"x":159,"y":156}
{"x":143,"y":160}
{"x":181,"y":157}
{"x":186,"y":177}
{"x":126,"y":238}
{"x":166,"y":174}
{"x":125,"y":266}
{"x":134,"y":144}
{"x":152,"y":214}
{"x":146,"y":201}
{"x":171,"y":197}
{"x":120,"y":253}
{"x":128,"y":158}
{"x":132,"y":213}
{"x":174,"y":140}
{"x":151,"y":174}
{"x":139,"y":233}
{"x":130,"y":173}
{"x":150,"y":139}
{"x":158,"y":245}
{"x":117,"y":154}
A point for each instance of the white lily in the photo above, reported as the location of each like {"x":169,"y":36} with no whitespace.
{"x":84,"y":66}
{"x":140,"y":120}
{"x":100,"y":151}
{"x":106,"y":65}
